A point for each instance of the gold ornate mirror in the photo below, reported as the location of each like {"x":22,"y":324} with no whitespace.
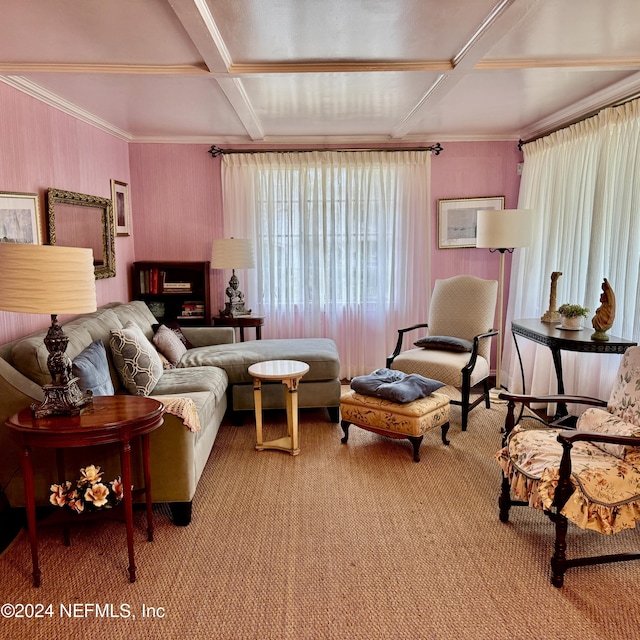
{"x":79,"y":220}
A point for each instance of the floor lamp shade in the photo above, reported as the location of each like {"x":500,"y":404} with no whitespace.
{"x":233,"y":253}
{"x":502,"y":230}
{"x":49,"y":279}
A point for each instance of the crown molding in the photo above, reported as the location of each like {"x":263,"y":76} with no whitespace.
{"x":55,"y":101}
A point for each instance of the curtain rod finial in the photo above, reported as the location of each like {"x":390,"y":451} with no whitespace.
{"x":215,"y":151}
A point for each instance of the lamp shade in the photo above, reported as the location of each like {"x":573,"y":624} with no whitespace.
{"x":47,"y":279}
{"x":504,"y":228}
{"x":232,"y":253}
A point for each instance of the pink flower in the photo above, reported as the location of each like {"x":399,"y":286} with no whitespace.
{"x":97,"y":494}
{"x":59,"y":492}
{"x":90,"y":475}
{"x":117,"y":488}
{"x":76,"y":503}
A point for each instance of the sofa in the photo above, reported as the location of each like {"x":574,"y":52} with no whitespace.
{"x":197,"y":390}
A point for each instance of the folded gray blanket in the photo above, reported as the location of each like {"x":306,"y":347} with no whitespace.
{"x":395,"y":386}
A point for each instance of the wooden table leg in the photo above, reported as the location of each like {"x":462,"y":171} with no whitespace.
{"x":257,"y":402}
{"x":146,"y":461}
{"x":61,"y":472}
{"x":30,"y":498}
{"x":125,"y":461}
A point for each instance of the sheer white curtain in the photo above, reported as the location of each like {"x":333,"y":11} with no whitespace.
{"x":583,"y":183}
{"x":342,"y":243}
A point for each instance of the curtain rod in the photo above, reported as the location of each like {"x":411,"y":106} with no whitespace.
{"x":586,"y":116}
{"x":218,"y":151}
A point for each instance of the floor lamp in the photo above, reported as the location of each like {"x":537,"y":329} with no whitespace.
{"x":502,"y":230}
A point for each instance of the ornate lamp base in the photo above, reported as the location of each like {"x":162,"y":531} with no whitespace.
{"x":62,"y":400}
{"x":234,"y":309}
{"x":63,"y":397}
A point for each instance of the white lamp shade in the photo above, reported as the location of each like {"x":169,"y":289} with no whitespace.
{"x":46,"y":279}
{"x":232,"y":253}
{"x":504,"y":228}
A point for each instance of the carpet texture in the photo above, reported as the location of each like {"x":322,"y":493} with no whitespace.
{"x":351,"y":541}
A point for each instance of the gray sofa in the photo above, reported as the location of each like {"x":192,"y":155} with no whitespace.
{"x":210,"y":374}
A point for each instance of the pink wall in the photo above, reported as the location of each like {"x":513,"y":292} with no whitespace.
{"x":176,"y":194}
{"x":177,"y":199}
{"x":42,"y":148}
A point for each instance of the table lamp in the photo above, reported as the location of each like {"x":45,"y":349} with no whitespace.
{"x":233,"y":253}
{"x":50,"y":279}
{"x":502,"y":230}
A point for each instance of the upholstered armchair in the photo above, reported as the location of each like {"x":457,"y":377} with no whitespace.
{"x":589,"y":475}
{"x":456,"y":349}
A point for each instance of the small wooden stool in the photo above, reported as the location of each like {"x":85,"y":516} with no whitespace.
{"x":410,"y":420}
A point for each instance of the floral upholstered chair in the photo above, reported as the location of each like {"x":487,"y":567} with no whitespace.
{"x":589,"y":476}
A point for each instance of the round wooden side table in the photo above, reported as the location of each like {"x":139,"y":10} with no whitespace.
{"x":289,"y":373}
{"x":109,"y":419}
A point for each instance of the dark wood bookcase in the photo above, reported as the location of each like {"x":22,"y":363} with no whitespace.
{"x":174,"y":290}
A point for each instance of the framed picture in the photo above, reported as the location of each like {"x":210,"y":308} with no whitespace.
{"x":19,"y":218}
{"x":121,"y":207}
{"x":458,"y":220}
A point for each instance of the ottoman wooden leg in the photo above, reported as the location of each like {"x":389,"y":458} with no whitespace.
{"x":345,"y":427}
{"x":416,"y":441}
{"x":445,"y":428}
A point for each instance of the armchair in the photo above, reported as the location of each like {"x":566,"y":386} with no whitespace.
{"x":457,"y":348}
{"x":589,"y":475}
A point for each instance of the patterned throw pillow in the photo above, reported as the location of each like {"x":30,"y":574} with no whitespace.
{"x":600,"y":421}
{"x":136,"y":360}
{"x":169,"y":345}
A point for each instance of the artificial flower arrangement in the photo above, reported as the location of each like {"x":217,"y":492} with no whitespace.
{"x":573,"y":310}
{"x":90,"y":492}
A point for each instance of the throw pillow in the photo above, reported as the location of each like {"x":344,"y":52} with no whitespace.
{"x":601,"y":421}
{"x":91,"y":367}
{"x":445,"y":343}
{"x":136,"y":360}
{"x":175,"y":327}
{"x":395,"y":386}
{"x":169,"y":345}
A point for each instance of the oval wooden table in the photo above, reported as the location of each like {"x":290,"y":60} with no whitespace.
{"x":109,"y":419}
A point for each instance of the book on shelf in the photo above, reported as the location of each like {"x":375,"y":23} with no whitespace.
{"x":192,"y":310}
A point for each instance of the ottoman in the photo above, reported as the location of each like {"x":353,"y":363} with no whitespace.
{"x":410,"y":420}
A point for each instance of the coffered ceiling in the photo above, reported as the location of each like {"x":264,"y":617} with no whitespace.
{"x":321,"y":71}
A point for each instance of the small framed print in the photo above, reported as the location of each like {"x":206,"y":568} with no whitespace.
{"x":20,"y":218}
{"x":121,"y":207}
{"x":458,"y":220}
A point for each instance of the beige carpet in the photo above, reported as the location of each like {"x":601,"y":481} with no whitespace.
{"x":344,"y":542}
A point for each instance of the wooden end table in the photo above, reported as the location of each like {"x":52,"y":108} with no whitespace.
{"x":289,"y":373}
{"x":109,"y":419}
{"x":242,"y":322}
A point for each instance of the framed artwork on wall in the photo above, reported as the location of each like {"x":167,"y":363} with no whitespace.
{"x":19,"y":218}
{"x":121,"y":207}
{"x":457,"y":220}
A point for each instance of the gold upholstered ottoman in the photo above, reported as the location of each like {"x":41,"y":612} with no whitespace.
{"x":410,"y":420}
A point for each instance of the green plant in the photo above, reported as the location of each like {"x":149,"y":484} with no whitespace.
{"x":573,"y":310}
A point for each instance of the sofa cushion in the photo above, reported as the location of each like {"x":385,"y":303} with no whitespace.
{"x":138,"y":313}
{"x":29,"y":355}
{"x":194,"y":379}
{"x":91,"y":367}
{"x":135,"y":359}
{"x":321,"y":354}
{"x":169,"y":344}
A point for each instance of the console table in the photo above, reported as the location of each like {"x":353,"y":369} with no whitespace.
{"x":241,"y":322}
{"x":550,"y":335}
{"x":109,"y":419}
